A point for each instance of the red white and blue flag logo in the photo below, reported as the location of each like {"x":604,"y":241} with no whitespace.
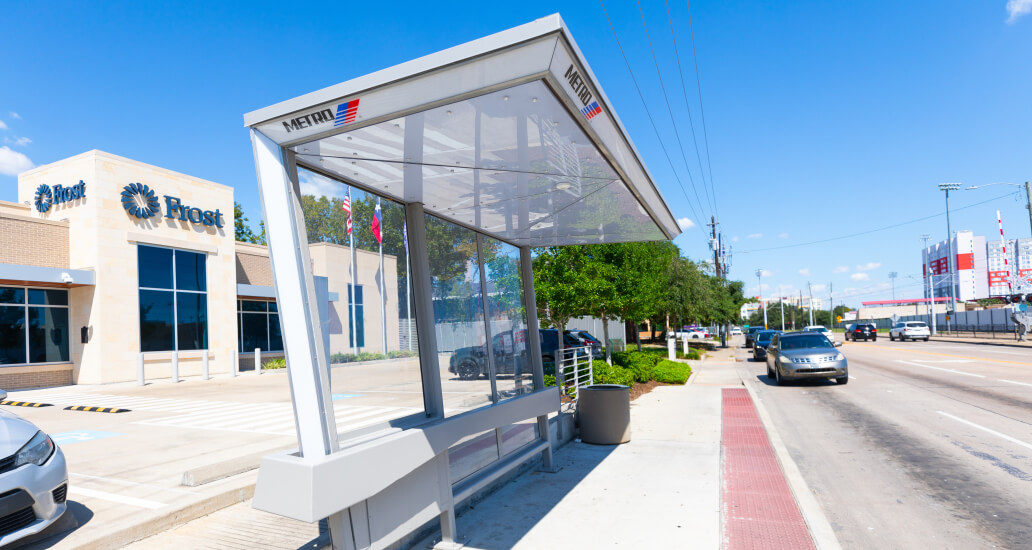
{"x":590,"y":111}
{"x":346,"y":113}
{"x":377,"y":222}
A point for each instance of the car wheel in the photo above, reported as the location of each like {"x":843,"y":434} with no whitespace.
{"x":469,"y":370}
{"x":769,"y":375}
{"x":842,"y":380}
{"x":777,"y":376}
{"x":891,"y":337}
{"x":874,"y":338}
{"x":902,"y":338}
{"x":926,"y":338}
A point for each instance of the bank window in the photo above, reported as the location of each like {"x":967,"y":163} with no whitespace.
{"x":33,"y":325}
{"x":259,"y":326}
{"x":173,"y":299}
{"x":360,"y":314}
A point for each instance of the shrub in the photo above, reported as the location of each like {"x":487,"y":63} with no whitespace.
{"x":401,"y":353}
{"x":672,"y":372}
{"x":280,"y":363}
{"x":549,"y":380}
{"x":549,"y":368}
{"x":351,"y":358}
{"x":640,"y":363}
{"x":606,"y":374}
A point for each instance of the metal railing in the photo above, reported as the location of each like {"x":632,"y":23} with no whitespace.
{"x":979,"y":331}
{"x":575,"y":370}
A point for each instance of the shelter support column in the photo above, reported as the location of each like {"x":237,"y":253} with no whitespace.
{"x":534,"y":350}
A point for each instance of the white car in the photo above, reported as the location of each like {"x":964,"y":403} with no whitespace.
{"x":821,"y":329}
{"x":736,"y":331}
{"x":910,"y":330}
{"x":33,"y":478}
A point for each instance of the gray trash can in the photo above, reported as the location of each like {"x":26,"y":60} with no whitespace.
{"x":604,"y":413}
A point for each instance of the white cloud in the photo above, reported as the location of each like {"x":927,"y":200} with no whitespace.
{"x":868,"y":266}
{"x":685,"y":223}
{"x":765,"y":273}
{"x":320,"y":186}
{"x":15,"y":115}
{"x":805,"y":272}
{"x":859,"y":276}
{"x":22,"y":141}
{"x":818,"y":287}
{"x":13,"y":163}
{"x":840,"y":269}
{"x":1017,"y":8}
{"x":754,"y":236}
{"x":2,"y":125}
{"x":783,"y":236}
{"x":734,"y":239}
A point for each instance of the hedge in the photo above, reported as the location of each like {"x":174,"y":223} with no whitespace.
{"x":672,"y":372}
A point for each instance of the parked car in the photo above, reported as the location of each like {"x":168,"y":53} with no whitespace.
{"x":509,"y":349}
{"x":585,"y":339}
{"x":33,"y":478}
{"x":866,"y":331}
{"x":750,"y":336}
{"x":910,"y":330}
{"x":801,"y":355}
{"x":821,"y":329}
{"x":550,"y":343}
{"x":736,"y":331}
{"x":763,"y":339}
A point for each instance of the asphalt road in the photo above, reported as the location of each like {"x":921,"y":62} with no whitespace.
{"x":928,"y":446}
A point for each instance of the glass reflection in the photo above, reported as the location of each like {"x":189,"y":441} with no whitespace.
{"x":508,"y":318}
{"x":358,"y":242}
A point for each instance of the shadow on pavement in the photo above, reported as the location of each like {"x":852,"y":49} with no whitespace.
{"x":74,"y":517}
{"x":810,"y":382}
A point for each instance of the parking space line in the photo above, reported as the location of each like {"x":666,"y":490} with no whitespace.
{"x":133,"y":483}
{"x":121,"y":499}
{"x":940,"y":368}
{"x":987,"y":430}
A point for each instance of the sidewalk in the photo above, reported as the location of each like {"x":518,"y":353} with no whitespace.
{"x":1000,"y":340}
{"x":663,"y":489}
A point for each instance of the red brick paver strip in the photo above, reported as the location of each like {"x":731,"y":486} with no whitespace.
{"x":759,"y":510}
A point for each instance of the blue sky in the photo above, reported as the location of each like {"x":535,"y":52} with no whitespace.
{"x":823,"y":119}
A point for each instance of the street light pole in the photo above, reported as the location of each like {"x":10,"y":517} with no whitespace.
{"x":892,"y":277}
{"x":947,"y":187}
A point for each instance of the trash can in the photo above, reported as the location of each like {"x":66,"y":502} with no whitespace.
{"x":604,"y":414}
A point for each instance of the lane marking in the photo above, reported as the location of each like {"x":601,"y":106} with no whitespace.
{"x":940,"y":368}
{"x":111,"y":497}
{"x":977,"y":359}
{"x":133,"y":483}
{"x":987,"y":430}
{"x":853,"y":377}
{"x":1013,"y":382}
{"x":945,"y":360}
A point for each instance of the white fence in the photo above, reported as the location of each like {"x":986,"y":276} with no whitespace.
{"x":575,"y":371}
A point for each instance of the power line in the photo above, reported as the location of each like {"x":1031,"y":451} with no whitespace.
{"x":670,"y":111}
{"x":869,"y":231}
{"x":684,"y":93}
{"x":649,"y":113}
{"x":702,"y":111}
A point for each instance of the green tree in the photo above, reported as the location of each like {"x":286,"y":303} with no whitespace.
{"x":242,"y":231}
{"x":560,"y":286}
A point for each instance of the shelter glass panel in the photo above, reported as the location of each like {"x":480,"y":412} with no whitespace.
{"x":471,"y":454}
{"x":508,"y":318}
{"x":357,"y":240}
{"x":458,"y":315}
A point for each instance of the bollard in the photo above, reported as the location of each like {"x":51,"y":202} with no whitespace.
{"x":235,"y":360}
{"x":671,"y":348}
{"x":204,"y":366}
{"x":685,"y":347}
{"x":257,"y":360}
{"x":140,"y":379}
{"x":175,"y":367}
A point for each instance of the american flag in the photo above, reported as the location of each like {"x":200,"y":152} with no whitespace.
{"x":347,"y":208}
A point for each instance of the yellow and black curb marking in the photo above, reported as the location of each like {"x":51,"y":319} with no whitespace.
{"x":95,"y":409}
{"x":25,"y":404}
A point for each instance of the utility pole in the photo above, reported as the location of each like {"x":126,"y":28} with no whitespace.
{"x":810,"y":290}
{"x":715,"y":245}
{"x":892,"y":277}
{"x":799,"y":308}
{"x":929,"y":288}
{"x":759,"y":277}
{"x":947,"y":187}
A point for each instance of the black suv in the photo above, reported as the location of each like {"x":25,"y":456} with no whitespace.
{"x":866,"y":331}
{"x":750,"y":335}
{"x":470,"y":363}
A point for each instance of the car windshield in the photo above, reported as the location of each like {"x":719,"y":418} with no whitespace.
{"x":805,"y":341}
{"x":766,"y":335}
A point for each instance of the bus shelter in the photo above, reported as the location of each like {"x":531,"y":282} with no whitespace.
{"x":451,"y":168}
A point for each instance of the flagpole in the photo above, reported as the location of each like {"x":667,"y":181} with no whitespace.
{"x":408,"y":289}
{"x":353,"y":343}
{"x":383,"y":301}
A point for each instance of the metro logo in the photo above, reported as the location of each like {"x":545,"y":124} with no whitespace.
{"x":346,"y":113}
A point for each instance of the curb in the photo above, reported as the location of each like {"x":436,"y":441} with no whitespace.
{"x":998,"y":344}
{"x":820,"y":529}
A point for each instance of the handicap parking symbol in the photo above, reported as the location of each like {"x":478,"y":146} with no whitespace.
{"x":65,"y":438}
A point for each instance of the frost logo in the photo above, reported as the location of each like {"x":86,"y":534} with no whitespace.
{"x":140,"y":201}
{"x":46,"y":197}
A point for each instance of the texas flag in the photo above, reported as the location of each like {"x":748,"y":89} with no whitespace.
{"x":377,"y":222}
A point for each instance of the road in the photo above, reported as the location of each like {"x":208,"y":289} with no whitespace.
{"x":928,"y":446}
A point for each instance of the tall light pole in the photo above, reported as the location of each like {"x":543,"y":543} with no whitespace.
{"x":947,"y":187}
{"x":759,"y":277}
{"x":892,"y":277}
{"x":929,"y":289}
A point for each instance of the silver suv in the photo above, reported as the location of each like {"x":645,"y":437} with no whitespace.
{"x":909,"y":330}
